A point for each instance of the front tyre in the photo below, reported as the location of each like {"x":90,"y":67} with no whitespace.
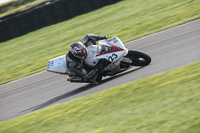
{"x":138,"y":58}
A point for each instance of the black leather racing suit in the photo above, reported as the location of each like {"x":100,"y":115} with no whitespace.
{"x":75,"y":65}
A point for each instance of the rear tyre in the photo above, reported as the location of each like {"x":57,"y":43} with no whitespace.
{"x":138,"y":58}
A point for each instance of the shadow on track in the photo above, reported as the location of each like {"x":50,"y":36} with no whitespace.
{"x":78,"y":90}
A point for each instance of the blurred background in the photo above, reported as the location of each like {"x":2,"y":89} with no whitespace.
{"x":3,"y":1}
{"x":34,"y":31}
{"x":30,"y":15}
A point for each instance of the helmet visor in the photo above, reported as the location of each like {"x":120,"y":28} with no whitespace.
{"x":78,"y":50}
{"x":81,"y":53}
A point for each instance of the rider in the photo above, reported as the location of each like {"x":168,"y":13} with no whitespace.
{"x":78,"y":53}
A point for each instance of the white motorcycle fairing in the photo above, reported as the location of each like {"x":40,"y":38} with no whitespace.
{"x":58,"y":65}
{"x":113,"y":50}
{"x":91,"y":59}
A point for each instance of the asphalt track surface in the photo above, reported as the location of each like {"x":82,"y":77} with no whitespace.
{"x":169,"y":49}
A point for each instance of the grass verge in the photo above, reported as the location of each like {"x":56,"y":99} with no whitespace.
{"x":17,"y":5}
{"x":167,"y":102}
{"x":127,"y":19}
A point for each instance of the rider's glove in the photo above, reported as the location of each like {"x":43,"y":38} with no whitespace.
{"x":105,"y":37}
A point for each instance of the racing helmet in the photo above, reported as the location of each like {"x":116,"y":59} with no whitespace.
{"x":79,"y":50}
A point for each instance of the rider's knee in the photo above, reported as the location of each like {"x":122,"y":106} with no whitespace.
{"x":75,"y":66}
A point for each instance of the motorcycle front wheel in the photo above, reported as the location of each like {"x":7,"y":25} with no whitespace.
{"x":138,"y":58}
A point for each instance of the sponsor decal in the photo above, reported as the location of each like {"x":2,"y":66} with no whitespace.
{"x":112,"y":66}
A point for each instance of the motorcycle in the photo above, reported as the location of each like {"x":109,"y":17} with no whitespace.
{"x":111,"y":51}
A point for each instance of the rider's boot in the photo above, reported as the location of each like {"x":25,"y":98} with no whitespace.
{"x":92,"y":74}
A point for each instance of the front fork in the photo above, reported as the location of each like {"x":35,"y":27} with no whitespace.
{"x":126,"y":60}
{"x":126,"y":51}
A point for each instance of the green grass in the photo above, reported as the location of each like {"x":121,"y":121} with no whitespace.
{"x":167,"y":102}
{"x":17,"y":5}
{"x":128,"y":19}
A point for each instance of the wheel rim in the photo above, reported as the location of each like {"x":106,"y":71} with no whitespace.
{"x":139,"y":61}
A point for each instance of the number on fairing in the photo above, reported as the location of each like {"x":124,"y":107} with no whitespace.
{"x":112,"y":57}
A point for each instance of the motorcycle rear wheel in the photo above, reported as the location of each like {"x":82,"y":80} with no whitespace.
{"x":138,"y":58}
